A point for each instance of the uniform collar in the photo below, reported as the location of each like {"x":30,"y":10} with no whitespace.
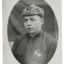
{"x":36,"y":35}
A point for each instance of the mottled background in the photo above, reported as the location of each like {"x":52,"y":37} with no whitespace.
{"x":12,"y":25}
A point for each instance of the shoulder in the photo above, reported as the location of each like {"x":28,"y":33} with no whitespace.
{"x":21,"y":37}
{"x":49,"y":37}
{"x":51,"y":40}
{"x":18,"y":40}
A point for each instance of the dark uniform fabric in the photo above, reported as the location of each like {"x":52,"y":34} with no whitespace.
{"x":34,"y":50}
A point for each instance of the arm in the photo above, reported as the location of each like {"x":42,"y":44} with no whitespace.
{"x":14,"y":46}
{"x":51,"y":49}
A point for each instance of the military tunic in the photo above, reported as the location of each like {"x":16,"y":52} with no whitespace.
{"x":34,"y":50}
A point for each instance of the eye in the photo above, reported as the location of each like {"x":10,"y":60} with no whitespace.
{"x":32,"y":19}
{"x":25,"y":20}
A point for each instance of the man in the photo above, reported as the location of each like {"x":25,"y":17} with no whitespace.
{"x":36,"y":46}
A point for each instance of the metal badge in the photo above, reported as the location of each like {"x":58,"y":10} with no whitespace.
{"x":37,"y":53}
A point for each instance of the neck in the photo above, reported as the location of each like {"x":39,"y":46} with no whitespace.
{"x":33,"y":34}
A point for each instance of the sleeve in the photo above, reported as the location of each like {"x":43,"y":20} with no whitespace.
{"x":51,"y":49}
{"x":16,"y":42}
{"x":14,"y":46}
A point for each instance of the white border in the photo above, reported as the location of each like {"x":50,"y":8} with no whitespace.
{"x":1,"y":36}
{"x":62,"y":31}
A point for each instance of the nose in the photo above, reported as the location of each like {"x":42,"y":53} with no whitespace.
{"x":28,"y":23}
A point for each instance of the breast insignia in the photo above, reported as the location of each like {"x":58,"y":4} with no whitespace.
{"x":37,"y":53}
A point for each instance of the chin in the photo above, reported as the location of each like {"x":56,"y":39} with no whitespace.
{"x":31,"y":32}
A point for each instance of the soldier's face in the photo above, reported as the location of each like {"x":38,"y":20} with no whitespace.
{"x":33,"y":23}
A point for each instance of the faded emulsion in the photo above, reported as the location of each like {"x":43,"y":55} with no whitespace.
{"x":32,"y":32}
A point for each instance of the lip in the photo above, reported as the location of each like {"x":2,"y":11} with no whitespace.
{"x":29,"y":28}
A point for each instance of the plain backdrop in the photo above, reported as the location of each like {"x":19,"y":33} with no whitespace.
{"x":8,"y":56}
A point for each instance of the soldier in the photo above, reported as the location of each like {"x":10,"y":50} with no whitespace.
{"x":36,"y":46}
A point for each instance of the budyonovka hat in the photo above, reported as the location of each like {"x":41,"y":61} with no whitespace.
{"x":33,"y":10}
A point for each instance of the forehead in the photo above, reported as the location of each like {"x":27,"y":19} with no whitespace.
{"x":32,"y":16}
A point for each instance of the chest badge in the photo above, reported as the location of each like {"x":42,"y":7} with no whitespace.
{"x":37,"y":53}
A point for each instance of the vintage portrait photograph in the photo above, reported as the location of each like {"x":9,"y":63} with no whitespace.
{"x":32,"y":32}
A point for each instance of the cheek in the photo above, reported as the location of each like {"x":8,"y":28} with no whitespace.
{"x":25,"y":25}
{"x":38,"y":24}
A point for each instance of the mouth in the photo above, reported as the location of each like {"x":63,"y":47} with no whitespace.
{"x":29,"y":29}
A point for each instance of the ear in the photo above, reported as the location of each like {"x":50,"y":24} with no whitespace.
{"x":42,"y":20}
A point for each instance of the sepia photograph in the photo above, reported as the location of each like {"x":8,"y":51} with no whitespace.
{"x":32,"y":32}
